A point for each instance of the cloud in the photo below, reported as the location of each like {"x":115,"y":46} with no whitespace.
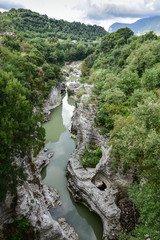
{"x":100,"y":12}
{"x":7,"y":5}
{"x":121,"y":9}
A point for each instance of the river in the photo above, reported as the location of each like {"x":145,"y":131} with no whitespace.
{"x":88,"y":225}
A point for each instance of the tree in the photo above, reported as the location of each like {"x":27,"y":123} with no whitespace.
{"x":21,"y":132}
{"x":136,"y":141}
{"x":11,"y":42}
{"x":151,"y":78}
{"x":115,"y":39}
{"x":146,"y":199}
{"x":140,"y":96}
{"x":126,"y":33}
{"x":129,"y":81}
{"x":144,"y":57}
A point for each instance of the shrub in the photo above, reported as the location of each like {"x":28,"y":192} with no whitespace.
{"x":91,"y":156}
{"x":80,"y":93}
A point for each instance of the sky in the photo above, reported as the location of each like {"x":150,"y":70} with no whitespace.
{"x":99,"y":12}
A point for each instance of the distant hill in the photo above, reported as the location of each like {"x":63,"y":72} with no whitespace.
{"x":33,"y":24}
{"x":141,"y":26}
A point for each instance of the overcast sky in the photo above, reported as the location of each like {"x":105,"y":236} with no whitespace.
{"x":100,"y":12}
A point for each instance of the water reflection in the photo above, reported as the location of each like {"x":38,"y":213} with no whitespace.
{"x":55,"y":127}
{"x":71,"y":102}
{"x":44,"y":173}
{"x":58,"y":140}
{"x":67,"y":111}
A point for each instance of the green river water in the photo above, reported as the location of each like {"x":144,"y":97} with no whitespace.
{"x":88,"y":225}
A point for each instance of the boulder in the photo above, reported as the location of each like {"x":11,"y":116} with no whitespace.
{"x":50,"y":155}
{"x":42,"y":161}
{"x":54,"y":100}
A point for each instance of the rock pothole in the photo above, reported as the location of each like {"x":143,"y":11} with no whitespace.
{"x":101,"y":182}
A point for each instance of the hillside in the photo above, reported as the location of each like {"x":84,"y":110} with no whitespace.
{"x":33,"y":24}
{"x":139,"y":27}
{"x":124,"y":71}
{"x":126,"y":76}
{"x":31,"y":64}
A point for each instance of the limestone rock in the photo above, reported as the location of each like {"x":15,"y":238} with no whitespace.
{"x":32,"y":202}
{"x":53,"y":100}
{"x":41,"y":161}
{"x":50,"y":155}
{"x":84,"y":183}
{"x":72,"y":69}
{"x":69,"y":230}
{"x":75,"y":87}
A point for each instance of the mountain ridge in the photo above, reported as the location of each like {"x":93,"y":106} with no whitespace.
{"x":38,"y":25}
{"x":139,"y":27}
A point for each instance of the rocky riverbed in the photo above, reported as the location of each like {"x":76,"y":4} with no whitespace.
{"x":85,"y":183}
{"x":33,"y":199}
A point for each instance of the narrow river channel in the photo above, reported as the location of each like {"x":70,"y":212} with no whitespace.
{"x":88,"y":225}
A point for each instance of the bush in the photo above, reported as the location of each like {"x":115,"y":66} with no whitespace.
{"x":129,"y":81}
{"x":19,"y":230}
{"x":80,"y":93}
{"x":91,"y":156}
{"x":151,"y":78}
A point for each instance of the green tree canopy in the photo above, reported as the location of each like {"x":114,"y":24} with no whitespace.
{"x":21,"y":132}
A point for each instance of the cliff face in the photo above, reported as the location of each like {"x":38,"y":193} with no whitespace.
{"x":32,"y":202}
{"x":54,"y":100}
{"x":33,"y":199}
{"x":85,"y":184}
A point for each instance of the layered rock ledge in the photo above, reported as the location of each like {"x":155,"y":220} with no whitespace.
{"x":32,"y":201}
{"x":85,"y":184}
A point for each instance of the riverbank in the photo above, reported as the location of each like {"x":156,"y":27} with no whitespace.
{"x":43,"y":205}
{"x":33,"y":198}
{"x":85,"y":183}
{"x":87,"y":225}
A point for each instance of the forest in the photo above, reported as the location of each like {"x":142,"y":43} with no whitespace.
{"x":29,"y":68}
{"x":125,"y":71}
{"x":33,"y":24}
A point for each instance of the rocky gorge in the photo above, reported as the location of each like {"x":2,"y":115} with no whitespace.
{"x":33,"y":198}
{"x":111,"y":202}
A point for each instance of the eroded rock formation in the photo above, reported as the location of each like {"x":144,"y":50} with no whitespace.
{"x":84,"y":184}
{"x":33,"y":199}
{"x":54,"y":99}
{"x":32,"y":202}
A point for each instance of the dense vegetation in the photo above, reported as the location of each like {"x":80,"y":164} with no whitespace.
{"x":29,"y":67}
{"x":21,"y":132}
{"x":32,"y":24}
{"x":125,"y":70}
